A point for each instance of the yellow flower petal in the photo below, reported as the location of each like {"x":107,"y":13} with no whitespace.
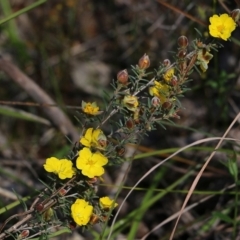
{"x":160,"y":90}
{"x":94,"y":138}
{"x":52,"y":165}
{"x":90,"y":108}
{"x":66,"y":169}
{"x":91,"y":163}
{"x":63,"y":168}
{"x":130,"y":102}
{"x":87,"y":138}
{"x":81,"y":212}
{"x":168,"y":75}
{"x":107,"y":203}
{"x":221,"y":26}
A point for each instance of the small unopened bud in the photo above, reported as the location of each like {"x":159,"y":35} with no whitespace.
{"x":92,"y":180}
{"x":144,"y":62}
{"x":166,"y":62}
{"x":102,"y":140}
{"x":62,"y":192}
{"x":130,"y":123}
{"x":105,"y":218}
{"x":23,"y":234}
{"x":39,"y":207}
{"x":155,"y":102}
{"x":174,"y":80}
{"x":48,"y":214}
{"x":182,"y":41}
{"x":120,"y":151}
{"x":122,"y":77}
{"x":235,"y":14}
{"x":136,"y":116}
{"x":102,"y":143}
{"x":167,"y":105}
{"x":182,"y":53}
{"x":148,"y":127}
{"x":94,"y":219}
{"x":175,"y":115}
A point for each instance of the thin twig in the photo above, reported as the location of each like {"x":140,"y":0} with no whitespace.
{"x":55,"y":114}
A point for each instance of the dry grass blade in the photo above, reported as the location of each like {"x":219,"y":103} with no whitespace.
{"x":180,"y":11}
{"x":194,"y":184}
{"x":55,"y":114}
{"x":165,"y":160}
{"x":175,"y":215}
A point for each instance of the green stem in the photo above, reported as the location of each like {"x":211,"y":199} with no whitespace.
{"x":235,"y":221}
{"x":146,"y":199}
{"x":24,"y":10}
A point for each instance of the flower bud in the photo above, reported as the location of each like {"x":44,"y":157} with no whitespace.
{"x":182,"y":41}
{"x":167,"y":105}
{"x":166,"y":62}
{"x":175,"y":115}
{"x":23,"y":234}
{"x":136,"y":116}
{"x":174,"y":80}
{"x":92,"y":180}
{"x":130,"y":123}
{"x":182,"y":53}
{"x":120,"y":151}
{"x":144,"y":62}
{"x":148,"y":127}
{"x":94,"y":219}
{"x":122,"y":77}
{"x":39,"y":207}
{"x":62,"y":192}
{"x":155,"y":102}
{"x":102,"y":143}
{"x":48,"y":214}
{"x":105,"y":218}
{"x":235,"y":14}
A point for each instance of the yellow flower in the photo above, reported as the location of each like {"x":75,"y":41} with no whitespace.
{"x":107,"y":203}
{"x":81,"y":212}
{"x":90,"y":108}
{"x":91,"y":163}
{"x":94,"y":138}
{"x":160,"y":90}
{"x":167,"y":76}
{"x":62,"y":167}
{"x":221,"y":26}
{"x":203,"y":58}
{"x":130,"y":102}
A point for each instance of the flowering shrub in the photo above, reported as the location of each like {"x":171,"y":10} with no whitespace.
{"x":137,"y":105}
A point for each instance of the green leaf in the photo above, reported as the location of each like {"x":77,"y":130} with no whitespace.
{"x":233,"y":168}
{"x":22,"y":11}
{"x":223,"y":217}
{"x":16,"y":113}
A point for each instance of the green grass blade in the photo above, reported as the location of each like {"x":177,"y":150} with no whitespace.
{"x":20,"y":114}
{"x":22,"y":11}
